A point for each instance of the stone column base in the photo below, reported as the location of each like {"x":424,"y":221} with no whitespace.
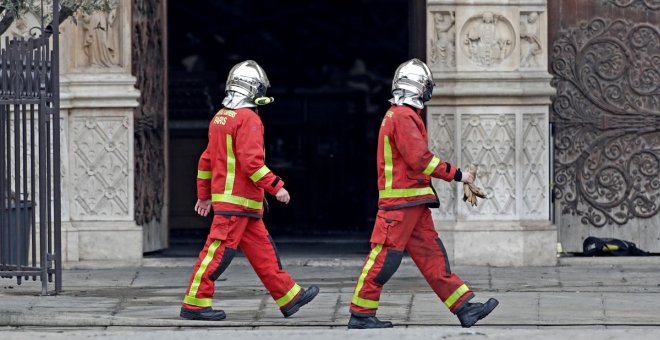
{"x":500,"y":243}
{"x":102,"y":241}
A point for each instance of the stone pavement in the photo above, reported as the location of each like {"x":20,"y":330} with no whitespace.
{"x":596,"y":294}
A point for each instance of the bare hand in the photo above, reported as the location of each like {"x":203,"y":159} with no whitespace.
{"x":203,"y":207}
{"x":283,"y":196}
{"x":467,"y":177}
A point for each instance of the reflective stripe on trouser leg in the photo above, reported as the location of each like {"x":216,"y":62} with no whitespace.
{"x":284,"y":300}
{"x":357,"y":300}
{"x":191,"y":298}
{"x":456,"y":295}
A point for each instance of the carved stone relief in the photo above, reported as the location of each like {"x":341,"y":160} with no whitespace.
{"x":100,"y":31}
{"x":488,"y":141}
{"x":100,"y":163}
{"x":487,"y":39}
{"x":607,"y":118}
{"x":442,"y":136}
{"x":443,"y":40}
{"x":531,"y":48}
{"x":534,"y":165}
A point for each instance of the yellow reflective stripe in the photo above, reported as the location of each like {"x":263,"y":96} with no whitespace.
{"x":288,"y":296}
{"x":365,"y":303}
{"x":259,"y":174}
{"x":396,"y":193}
{"x":200,"y":271}
{"x":242,"y":201}
{"x":387,"y":151}
{"x":197,"y":302}
{"x":231,"y":166}
{"x":201,"y":174}
{"x":367,"y":266}
{"x":432,"y":165}
{"x":460,"y":291}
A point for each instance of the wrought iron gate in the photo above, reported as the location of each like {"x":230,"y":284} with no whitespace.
{"x":606,"y":117}
{"x":30,"y":223}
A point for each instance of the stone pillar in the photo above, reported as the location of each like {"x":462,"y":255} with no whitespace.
{"x":490,"y":108}
{"x":97,"y":101}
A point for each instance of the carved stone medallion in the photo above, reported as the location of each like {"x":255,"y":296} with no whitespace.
{"x":488,"y":39}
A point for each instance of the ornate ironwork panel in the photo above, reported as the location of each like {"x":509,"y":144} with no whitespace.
{"x":606,"y":116}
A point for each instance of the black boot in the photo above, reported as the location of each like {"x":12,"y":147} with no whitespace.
{"x":470,"y":313}
{"x":367,"y":322}
{"x":305,"y":296}
{"x":206,"y":314}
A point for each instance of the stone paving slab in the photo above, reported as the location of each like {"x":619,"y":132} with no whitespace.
{"x":150,"y":296}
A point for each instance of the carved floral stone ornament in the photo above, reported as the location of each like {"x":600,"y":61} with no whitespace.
{"x":607,"y":119}
{"x":488,"y":39}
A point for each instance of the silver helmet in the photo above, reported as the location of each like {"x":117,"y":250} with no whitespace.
{"x":248,"y":79}
{"x":414,"y":76}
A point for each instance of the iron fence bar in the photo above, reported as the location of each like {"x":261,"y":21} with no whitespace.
{"x":43,"y":200}
{"x":13,"y":101}
{"x":49,"y":221}
{"x":33,"y":184}
{"x":7,"y":176}
{"x":56,"y":146}
{"x":17,"y":187}
{"x":24,"y":198}
{"x":4,"y":246}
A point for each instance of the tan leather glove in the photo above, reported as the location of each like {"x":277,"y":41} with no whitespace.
{"x":470,"y":190}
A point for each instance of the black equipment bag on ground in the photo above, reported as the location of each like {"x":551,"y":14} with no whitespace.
{"x":594,"y":246}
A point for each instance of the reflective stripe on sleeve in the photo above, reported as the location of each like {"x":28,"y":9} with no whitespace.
{"x":387,"y":153}
{"x":288,"y":296}
{"x":432,"y":165}
{"x":259,"y":174}
{"x":357,"y":300}
{"x":231,"y":167}
{"x":460,"y":291}
{"x":197,"y":279}
{"x":201,"y":174}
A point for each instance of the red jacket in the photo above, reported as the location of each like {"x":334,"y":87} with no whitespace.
{"x":405,"y":164}
{"x":231,"y":170}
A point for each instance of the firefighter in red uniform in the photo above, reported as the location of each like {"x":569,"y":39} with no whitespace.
{"x":403,"y":222}
{"x":231,"y":180}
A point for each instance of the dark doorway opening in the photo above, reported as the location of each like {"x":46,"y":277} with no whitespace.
{"x":330,"y":65}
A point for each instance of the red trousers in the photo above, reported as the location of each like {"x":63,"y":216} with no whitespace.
{"x":226,"y":235}
{"x":409,"y":229}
